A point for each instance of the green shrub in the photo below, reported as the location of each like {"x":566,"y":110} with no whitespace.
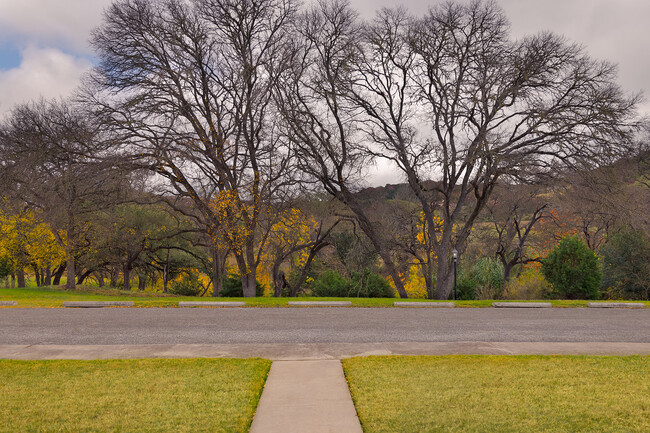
{"x":572,"y":270}
{"x":626,"y":265}
{"x":370,"y":285}
{"x":188,"y":285}
{"x":232,"y":287}
{"x":487,"y":273}
{"x":331,"y":284}
{"x":465,"y":287}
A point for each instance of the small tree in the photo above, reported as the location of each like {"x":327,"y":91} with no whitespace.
{"x":626,"y":262}
{"x":572,"y":269}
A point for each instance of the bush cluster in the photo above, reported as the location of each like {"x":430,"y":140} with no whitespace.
{"x":188,"y":285}
{"x":361,"y":284}
{"x":232,"y":287}
{"x":572,"y":270}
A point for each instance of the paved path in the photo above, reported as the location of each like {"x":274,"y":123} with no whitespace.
{"x":319,"y":351}
{"x":306,"y":396}
{"x":108,"y":326}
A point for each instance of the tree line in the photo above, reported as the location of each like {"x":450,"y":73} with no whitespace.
{"x":244,"y":129}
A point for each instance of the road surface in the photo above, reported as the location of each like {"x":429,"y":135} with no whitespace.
{"x":138,"y":326}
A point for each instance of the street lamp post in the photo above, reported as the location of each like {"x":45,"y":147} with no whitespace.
{"x":455,"y":256}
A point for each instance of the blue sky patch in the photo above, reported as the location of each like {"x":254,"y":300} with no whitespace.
{"x":10,"y":56}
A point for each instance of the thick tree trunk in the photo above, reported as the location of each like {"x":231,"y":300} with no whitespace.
{"x":20,"y":277}
{"x":126,"y":271}
{"x":70,"y":273}
{"x":142,"y":282}
{"x":81,"y":278}
{"x":58,"y":274}
{"x":115,"y":275}
{"x":100,"y":278}
{"x":445,"y":276}
{"x":249,"y":283}
{"x":218,"y":270}
{"x":507,"y":270}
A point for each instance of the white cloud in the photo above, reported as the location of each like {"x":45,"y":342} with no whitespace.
{"x":48,"y":73}
{"x":47,"y":22}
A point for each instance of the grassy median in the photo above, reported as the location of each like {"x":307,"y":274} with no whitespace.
{"x":501,"y":393}
{"x":53,"y":297}
{"x":148,"y":395}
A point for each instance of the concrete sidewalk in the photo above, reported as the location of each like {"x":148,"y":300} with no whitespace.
{"x":316,"y":351}
{"x":306,"y":397}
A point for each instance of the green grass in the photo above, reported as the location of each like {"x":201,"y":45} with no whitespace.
{"x":501,"y":393}
{"x":147,"y":395}
{"x":53,"y":296}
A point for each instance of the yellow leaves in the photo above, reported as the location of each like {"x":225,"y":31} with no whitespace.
{"x":232,"y":223}
{"x":26,"y":237}
{"x":424,"y":233}
{"x":414,"y":283}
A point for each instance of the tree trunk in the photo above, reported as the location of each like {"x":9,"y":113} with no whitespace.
{"x":166,"y":277}
{"x":126,"y":271}
{"x":100,"y":278}
{"x":70,"y":273}
{"x":507,"y":270}
{"x":58,"y":274}
{"x":444,"y":277}
{"x":142,"y":282}
{"x":37,"y":275}
{"x":47,"y":277}
{"x":428,"y":281}
{"x":83,"y":276}
{"x":369,"y":229}
{"x":249,"y":284}
{"x":13,"y":281}
{"x":20,"y":277}
{"x":305,"y":269}
{"x":278,"y":282}
{"x":114,"y":277}
{"x":218,"y":265}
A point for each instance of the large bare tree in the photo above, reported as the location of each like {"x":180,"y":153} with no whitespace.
{"x":54,"y":157}
{"x":450,"y":97}
{"x":188,"y":85}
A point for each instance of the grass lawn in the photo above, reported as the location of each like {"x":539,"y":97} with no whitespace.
{"x":53,"y":296}
{"x":146,"y":395}
{"x":501,"y":393}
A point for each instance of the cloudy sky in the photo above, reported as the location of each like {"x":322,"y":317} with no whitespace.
{"x":44,"y":43}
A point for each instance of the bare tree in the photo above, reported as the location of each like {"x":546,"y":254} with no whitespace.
{"x":496,"y":109}
{"x":514,"y":210}
{"x":188,"y":84}
{"x":322,"y":123}
{"x":54,"y":158}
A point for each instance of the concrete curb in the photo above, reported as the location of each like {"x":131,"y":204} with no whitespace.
{"x":320,"y":303}
{"x":97,"y":304}
{"x":425,"y":304}
{"x":8,"y":303}
{"x":211,"y":304}
{"x":615,"y":305}
{"x":522,"y":305}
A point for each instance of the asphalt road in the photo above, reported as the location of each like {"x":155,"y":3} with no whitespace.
{"x":318,"y":325}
